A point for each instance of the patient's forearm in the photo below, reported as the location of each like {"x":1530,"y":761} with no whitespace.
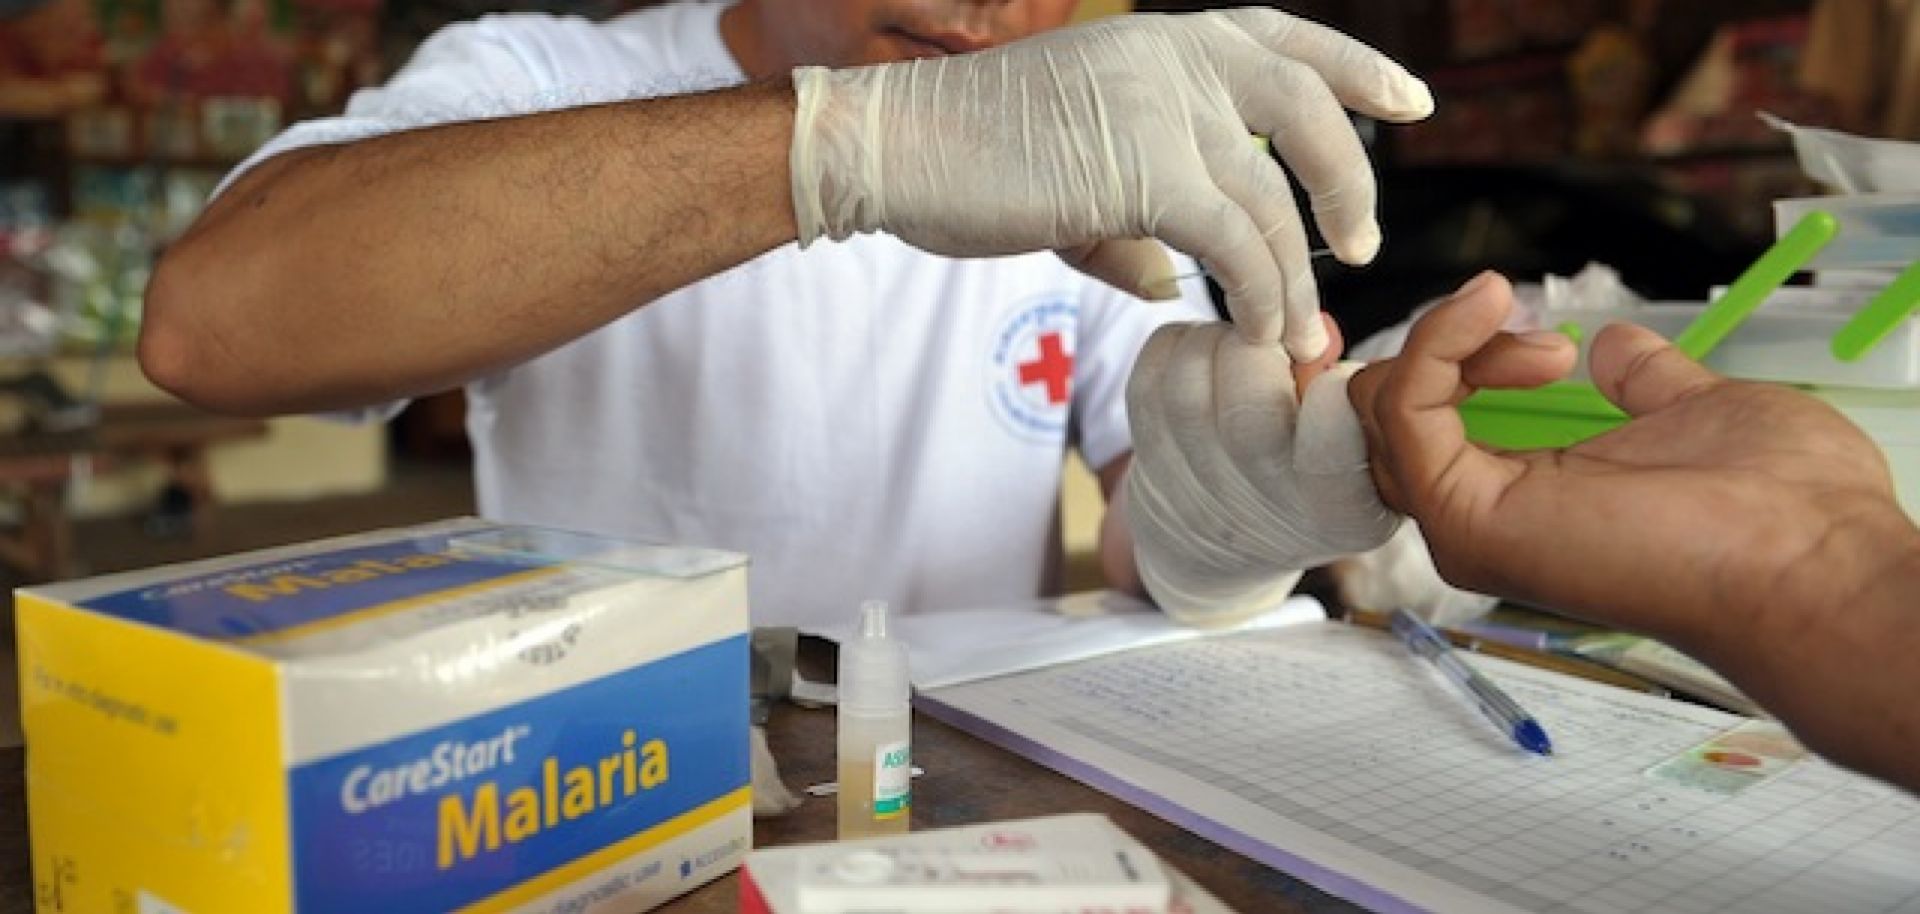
{"x":1835,"y":651}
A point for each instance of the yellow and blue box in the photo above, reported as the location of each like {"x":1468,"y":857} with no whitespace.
{"x":462,"y":716}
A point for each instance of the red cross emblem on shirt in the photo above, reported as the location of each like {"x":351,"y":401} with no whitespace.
{"x":1054,"y":368}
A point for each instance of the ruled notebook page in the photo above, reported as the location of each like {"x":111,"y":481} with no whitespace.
{"x":1331,"y":753}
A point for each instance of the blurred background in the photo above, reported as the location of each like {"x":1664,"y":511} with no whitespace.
{"x":1622,"y":132}
{"x":1568,"y":131}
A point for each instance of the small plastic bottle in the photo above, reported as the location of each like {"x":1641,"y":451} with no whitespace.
{"x":876,"y":759}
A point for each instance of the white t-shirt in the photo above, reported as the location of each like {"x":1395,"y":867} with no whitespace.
{"x":862,"y":419}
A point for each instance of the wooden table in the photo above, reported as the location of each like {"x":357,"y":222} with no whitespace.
{"x":968,"y":781}
{"x":36,"y":467}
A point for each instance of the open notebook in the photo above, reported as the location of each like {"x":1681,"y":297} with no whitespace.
{"x":1327,"y":752}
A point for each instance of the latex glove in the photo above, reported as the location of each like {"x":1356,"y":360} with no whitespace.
{"x":1237,"y":485}
{"x":770,"y":794}
{"x":1131,"y":127}
{"x":1401,"y":575}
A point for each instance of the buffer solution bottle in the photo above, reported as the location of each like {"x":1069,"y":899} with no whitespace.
{"x":876,"y":759}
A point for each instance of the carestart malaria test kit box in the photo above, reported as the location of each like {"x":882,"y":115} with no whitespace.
{"x":457,"y":717}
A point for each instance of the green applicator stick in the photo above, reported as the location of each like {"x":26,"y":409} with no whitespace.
{"x":1564,"y":413}
{"x":1807,"y":237}
{"x":1894,"y":304}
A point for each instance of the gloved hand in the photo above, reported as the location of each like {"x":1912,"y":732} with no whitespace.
{"x":1127,"y":128}
{"x":770,"y":794}
{"x":1401,"y":575}
{"x":1236,"y":485}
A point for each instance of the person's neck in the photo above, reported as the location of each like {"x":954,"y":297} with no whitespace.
{"x":746,"y":40}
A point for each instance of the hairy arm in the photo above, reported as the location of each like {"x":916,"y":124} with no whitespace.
{"x":345,"y":275}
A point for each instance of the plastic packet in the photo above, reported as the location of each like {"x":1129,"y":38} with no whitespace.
{"x":1852,"y":164}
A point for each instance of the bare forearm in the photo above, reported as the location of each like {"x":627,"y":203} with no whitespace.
{"x":1836,"y":651}
{"x":353,"y":274}
{"x":1820,"y":625}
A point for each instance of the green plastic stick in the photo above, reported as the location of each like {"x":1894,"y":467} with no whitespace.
{"x":1885,"y":312}
{"x":1577,"y":399}
{"x":1787,"y":256}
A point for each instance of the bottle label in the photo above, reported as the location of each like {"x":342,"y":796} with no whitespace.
{"x":892,"y":780}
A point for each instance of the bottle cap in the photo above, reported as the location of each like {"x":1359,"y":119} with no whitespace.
{"x":873,"y":665}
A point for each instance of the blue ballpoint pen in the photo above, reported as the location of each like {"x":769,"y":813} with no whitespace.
{"x":1424,"y":642}
{"x":1513,"y":636}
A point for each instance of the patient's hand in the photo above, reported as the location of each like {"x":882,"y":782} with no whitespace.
{"x":1695,"y":508}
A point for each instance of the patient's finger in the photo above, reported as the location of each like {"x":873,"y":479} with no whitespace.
{"x":1520,"y":360}
{"x":1409,"y":404}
